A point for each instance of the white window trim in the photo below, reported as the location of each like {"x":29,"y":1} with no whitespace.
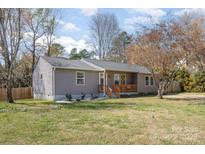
{"x":148,"y":81}
{"x":77,"y":78}
{"x":100,"y":76}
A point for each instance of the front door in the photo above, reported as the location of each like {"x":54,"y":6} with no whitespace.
{"x":119,"y":79}
{"x":116,"y":78}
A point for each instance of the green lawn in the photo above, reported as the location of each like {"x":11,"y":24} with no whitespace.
{"x":143,"y":120}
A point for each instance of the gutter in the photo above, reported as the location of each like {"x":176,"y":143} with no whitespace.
{"x":74,"y":68}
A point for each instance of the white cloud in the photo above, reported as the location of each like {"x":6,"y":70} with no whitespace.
{"x":89,"y":11}
{"x":150,"y":12}
{"x":68,"y":26}
{"x":183,"y":11}
{"x":143,"y":17}
{"x":60,"y":22}
{"x":131,"y":23}
{"x":69,"y":43}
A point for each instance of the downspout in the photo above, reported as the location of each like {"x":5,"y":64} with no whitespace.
{"x":104,"y":83}
{"x":53,"y":75}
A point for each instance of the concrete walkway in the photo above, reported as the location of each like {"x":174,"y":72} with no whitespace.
{"x":186,"y":96}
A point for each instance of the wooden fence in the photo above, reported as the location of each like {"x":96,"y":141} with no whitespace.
{"x":18,"y":93}
{"x":174,"y":87}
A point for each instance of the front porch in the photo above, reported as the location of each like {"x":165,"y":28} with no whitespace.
{"x":116,"y":83}
{"x":123,"y":88}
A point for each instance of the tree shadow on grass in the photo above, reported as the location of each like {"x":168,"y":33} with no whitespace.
{"x":187,"y":99}
{"x":100,"y":105}
{"x":34,"y":103}
{"x":190,"y":101}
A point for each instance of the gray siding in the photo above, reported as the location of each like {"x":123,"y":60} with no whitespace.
{"x":42,"y":88}
{"x":56,"y":83}
{"x":141,"y":87}
{"x":65,"y":82}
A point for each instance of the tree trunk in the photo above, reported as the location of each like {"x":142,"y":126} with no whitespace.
{"x":49,"y":48}
{"x":33,"y":54}
{"x":160,"y":95}
{"x":9,"y":90}
{"x":161,"y":90}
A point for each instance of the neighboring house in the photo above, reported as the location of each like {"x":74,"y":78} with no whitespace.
{"x":53,"y":78}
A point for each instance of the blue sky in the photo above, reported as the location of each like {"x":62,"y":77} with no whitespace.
{"x":73,"y":28}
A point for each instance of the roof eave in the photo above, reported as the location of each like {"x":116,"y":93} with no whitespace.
{"x":127,"y":71}
{"x":74,"y":68}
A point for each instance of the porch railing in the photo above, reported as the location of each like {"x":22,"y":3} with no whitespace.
{"x":119,"y":88}
{"x":116,"y":90}
{"x":107,"y":89}
{"x":125,"y":87}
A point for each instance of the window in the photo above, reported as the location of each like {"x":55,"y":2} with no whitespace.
{"x":116,"y":78}
{"x":147,"y":81}
{"x":80,"y":78}
{"x":101,"y":78}
{"x":41,"y":76}
{"x":151,"y":81}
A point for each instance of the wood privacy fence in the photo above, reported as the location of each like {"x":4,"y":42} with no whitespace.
{"x":174,"y":87}
{"x":18,"y":93}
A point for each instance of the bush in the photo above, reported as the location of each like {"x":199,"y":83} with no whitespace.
{"x":199,"y":81}
{"x":191,"y":82}
{"x":68,"y":96}
{"x":183,"y":77}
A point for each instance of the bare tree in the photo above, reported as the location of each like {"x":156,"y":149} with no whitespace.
{"x":34,"y":20}
{"x":10,"y":40}
{"x":103,"y":28}
{"x":192,"y":38}
{"x":158,"y":50}
{"x":23,"y":71}
{"x":50,"y":28}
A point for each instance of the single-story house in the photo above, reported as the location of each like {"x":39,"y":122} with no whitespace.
{"x":54,"y":77}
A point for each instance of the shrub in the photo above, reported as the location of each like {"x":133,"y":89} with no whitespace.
{"x":199,"y":81}
{"x":191,"y":82}
{"x":69,"y":97}
{"x":183,"y":77}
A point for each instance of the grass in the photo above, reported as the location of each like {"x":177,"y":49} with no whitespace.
{"x":142,"y":120}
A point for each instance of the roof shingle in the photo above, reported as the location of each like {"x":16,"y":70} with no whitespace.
{"x":113,"y":66}
{"x":60,"y":62}
{"x":88,"y":64}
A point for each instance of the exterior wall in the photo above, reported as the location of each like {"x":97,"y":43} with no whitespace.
{"x":42,"y":88}
{"x":65,"y":83}
{"x":131,"y":78}
{"x":56,"y":83}
{"x":141,"y":87}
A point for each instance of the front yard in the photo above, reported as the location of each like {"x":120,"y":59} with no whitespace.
{"x":143,"y":120}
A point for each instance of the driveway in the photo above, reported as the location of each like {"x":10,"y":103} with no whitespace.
{"x":186,"y":96}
